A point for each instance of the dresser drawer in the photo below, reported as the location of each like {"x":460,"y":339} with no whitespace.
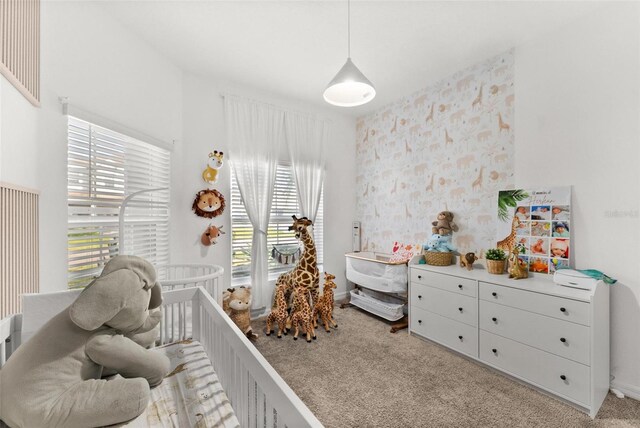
{"x":454,"y":334}
{"x":562,"y":338}
{"x":559,"y":375}
{"x":468,"y":287}
{"x":556,"y":307}
{"x":451,"y":305}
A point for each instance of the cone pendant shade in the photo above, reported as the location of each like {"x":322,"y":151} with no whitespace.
{"x":349,"y":88}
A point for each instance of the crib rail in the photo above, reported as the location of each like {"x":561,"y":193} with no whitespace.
{"x":259,"y":396}
{"x":176,"y":276}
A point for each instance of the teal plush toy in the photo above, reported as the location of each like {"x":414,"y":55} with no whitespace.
{"x":439,"y":243}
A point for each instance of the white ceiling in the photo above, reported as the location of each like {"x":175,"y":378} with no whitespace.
{"x":294,"y":48}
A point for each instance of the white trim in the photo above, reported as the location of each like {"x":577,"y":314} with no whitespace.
{"x":631,"y":391}
{"x":72,"y":110}
{"x":341,"y":295}
{"x":19,"y":188}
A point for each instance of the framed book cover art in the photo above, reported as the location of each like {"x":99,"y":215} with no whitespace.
{"x":538,"y":224}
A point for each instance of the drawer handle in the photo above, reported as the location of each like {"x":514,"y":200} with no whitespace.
{"x":563,"y":340}
{"x":419,"y":297}
{"x":563,"y":310}
{"x":419,"y":276}
{"x":460,"y":309}
{"x":460,"y":286}
{"x":563,"y":377}
{"x":460,"y":337}
{"x":494,"y":350}
{"x":419,"y":321}
{"x":494,"y":319}
{"x":494,"y":294}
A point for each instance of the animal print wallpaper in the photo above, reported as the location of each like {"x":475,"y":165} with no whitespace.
{"x":449,"y":147}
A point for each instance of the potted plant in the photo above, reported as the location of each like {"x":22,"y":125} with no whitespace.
{"x":496,"y":260}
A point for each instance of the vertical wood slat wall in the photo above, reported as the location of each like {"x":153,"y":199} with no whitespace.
{"x":20,"y":46}
{"x":19,"y":262}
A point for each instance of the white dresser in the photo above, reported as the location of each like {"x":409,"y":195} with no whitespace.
{"x":554,"y":338}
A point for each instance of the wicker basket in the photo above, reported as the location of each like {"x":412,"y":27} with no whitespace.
{"x":496,"y":266}
{"x":436,"y":258}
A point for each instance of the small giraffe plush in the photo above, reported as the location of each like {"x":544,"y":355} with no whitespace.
{"x":517,"y":269}
{"x":279,"y":312}
{"x":302,"y":316}
{"x":324,"y":306}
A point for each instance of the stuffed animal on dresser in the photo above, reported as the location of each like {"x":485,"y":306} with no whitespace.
{"x":439,"y":243}
{"x":467,"y":260}
{"x":53,"y":380}
{"x":444,"y":224}
{"x":236,"y":302}
{"x":517,"y":268}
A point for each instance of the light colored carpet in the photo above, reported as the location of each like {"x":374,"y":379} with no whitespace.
{"x":361,"y":375}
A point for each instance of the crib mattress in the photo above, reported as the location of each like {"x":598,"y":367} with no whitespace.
{"x":190,"y":395}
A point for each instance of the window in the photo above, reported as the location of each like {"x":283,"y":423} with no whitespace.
{"x":284,"y":205}
{"x":103,"y":168}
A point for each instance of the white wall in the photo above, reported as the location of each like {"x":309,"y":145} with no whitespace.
{"x":103,"y":68}
{"x":18,"y":137}
{"x":203,"y":131}
{"x":577,"y":122}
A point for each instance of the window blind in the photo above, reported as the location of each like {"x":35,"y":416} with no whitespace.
{"x":103,"y":168}
{"x":284,"y":205}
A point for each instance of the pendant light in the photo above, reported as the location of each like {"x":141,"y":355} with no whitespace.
{"x":350,"y":87}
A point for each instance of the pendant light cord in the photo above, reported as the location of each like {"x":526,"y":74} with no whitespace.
{"x":348,"y":28}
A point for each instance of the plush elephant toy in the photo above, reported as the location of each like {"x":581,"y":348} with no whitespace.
{"x":54,"y":379}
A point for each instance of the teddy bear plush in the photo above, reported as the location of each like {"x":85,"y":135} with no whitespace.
{"x":54,"y":379}
{"x":236,"y":302}
{"x":444,"y":225}
{"x":439,"y":243}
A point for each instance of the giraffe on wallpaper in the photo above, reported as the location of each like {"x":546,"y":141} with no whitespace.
{"x":477,"y":183}
{"x":448,"y":147}
{"x":478,"y":100}
{"x":430,"y":115}
{"x":502,"y":125}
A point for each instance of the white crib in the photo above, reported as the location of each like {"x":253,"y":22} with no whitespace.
{"x":180,"y":276}
{"x":258,"y":395}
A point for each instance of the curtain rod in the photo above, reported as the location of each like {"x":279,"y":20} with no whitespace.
{"x":276,"y":106}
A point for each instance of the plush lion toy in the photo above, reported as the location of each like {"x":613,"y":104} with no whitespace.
{"x":236,"y":302}
{"x":208,"y":203}
{"x":444,"y":225}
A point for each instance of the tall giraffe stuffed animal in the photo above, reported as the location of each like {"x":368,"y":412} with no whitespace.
{"x":302,"y":314}
{"x":324,"y":306}
{"x":278,"y":313}
{"x":508,"y":243}
{"x":305,"y":272}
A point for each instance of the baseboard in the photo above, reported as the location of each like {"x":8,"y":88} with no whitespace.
{"x":340,"y":296}
{"x":631,"y":391}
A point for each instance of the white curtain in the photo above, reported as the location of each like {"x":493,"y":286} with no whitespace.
{"x":255,"y":132}
{"x":306,"y":139}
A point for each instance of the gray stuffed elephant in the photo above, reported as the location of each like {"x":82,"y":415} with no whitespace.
{"x":53,"y":380}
